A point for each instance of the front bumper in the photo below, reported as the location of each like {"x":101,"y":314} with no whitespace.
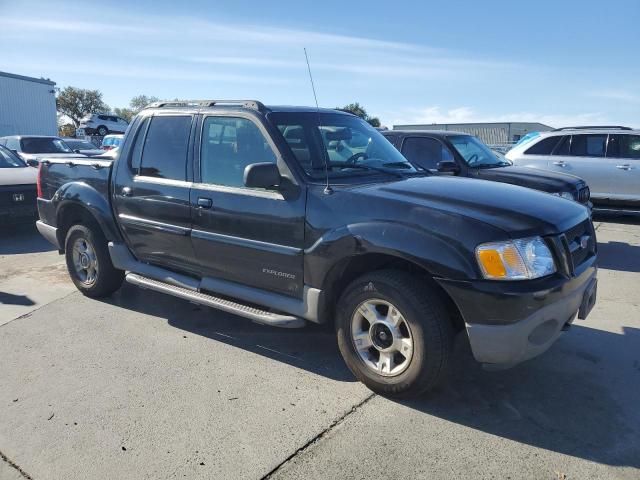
{"x":510,"y":323}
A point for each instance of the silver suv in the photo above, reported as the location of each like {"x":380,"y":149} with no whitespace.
{"x":101,"y":124}
{"x":607,"y":158}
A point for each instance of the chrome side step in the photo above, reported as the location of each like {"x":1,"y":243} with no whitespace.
{"x":252,"y":313}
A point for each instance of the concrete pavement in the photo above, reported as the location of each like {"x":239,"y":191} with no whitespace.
{"x":147,"y":386}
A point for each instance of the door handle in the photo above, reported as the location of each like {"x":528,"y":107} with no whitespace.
{"x":126,"y":191}
{"x":560,"y":163}
{"x":204,"y":202}
{"x":626,"y":166}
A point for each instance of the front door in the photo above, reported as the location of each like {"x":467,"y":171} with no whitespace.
{"x":151,"y":192}
{"x":249,"y":236}
{"x":583,"y":155}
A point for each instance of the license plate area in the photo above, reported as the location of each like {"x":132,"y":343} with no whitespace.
{"x":588,"y":300}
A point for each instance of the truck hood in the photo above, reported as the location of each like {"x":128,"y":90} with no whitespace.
{"x":544,"y":180}
{"x":18,"y":176}
{"x":518,"y":211}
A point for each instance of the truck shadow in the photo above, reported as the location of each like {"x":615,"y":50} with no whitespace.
{"x":579,"y":399}
{"x":312,"y":348}
{"x":619,"y":256}
{"x":22,"y":238}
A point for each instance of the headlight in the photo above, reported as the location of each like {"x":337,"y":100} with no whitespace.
{"x":523,"y":259}
{"x":567,"y":195}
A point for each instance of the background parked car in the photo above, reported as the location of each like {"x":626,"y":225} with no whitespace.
{"x":445,"y":152}
{"x":111,"y":141}
{"x":82,"y":146}
{"x":607,"y":158}
{"x":17,"y":188}
{"x":33,"y":147}
{"x":102,"y":124}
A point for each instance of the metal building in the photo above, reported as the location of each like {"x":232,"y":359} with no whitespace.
{"x":498,"y":133}
{"x":27,"y":106}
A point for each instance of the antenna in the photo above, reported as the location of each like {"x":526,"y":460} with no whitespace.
{"x":327,"y":189}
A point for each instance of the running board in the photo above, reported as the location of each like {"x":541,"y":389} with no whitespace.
{"x":252,"y":313}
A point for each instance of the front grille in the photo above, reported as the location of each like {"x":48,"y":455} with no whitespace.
{"x":584,"y":194}
{"x":581,"y":242}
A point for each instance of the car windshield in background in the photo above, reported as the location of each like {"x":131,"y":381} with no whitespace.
{"x":110,"y":141}
{"x":350,"y":146}
{"x":80,"y":145}
{"x":475,"y":153}
{"x":10,"y":160}
{"x":43,"y":145}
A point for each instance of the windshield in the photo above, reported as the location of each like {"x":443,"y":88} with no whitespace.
{"x":80,"y":145}
{"x":43,"y":145}
{"x":475,"y":153}
{"x":10,"y":160}
{"x":351,"y":146}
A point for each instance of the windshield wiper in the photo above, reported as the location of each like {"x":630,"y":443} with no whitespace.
{"x":368,"y":167}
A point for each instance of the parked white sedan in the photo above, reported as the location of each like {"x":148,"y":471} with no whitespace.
{"x":17,"y":188}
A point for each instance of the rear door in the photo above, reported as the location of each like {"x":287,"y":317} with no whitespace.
{"x":151,"y":192}
{"x":250,"y":236}
{"x":623,"y":153}
{"x":583,"y":155}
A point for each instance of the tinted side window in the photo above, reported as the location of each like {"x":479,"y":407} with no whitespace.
{"x":624,"y":146}
{"x":229,"y":144}
{"x":424,"y":152}
{"x":12,"y":144}
{"x":136,"y":151}
{"x":164,"y":154}
{"x":563,"y":147}
{"x":588,"y":145}
{"x":544,"y":146}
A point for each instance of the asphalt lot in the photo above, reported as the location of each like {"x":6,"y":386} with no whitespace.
{"x":147,"y":386}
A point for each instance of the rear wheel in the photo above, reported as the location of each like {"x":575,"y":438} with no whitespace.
{"x":394,"y":333}
{"x":89,"y":263}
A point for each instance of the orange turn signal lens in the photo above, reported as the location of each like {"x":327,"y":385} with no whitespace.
{"x":491,"y":263}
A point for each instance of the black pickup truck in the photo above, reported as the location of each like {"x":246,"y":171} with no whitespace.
{"x":445,"y":152}
{"x":289,"y":215}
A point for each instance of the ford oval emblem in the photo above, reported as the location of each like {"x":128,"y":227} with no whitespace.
{"x":584,"y":241}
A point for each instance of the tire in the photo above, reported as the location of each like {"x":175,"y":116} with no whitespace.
{"x":102,"y":130}
{"x":92,"y":273}
{"x":414,"y":316}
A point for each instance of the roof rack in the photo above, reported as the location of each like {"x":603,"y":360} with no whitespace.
{"x":253,"y":104}
{"x":594,"y":127}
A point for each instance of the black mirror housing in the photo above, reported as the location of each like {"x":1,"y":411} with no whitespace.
{"x":262,"y":175}
{"x":447,"y":166}
{"x":33,"y":163}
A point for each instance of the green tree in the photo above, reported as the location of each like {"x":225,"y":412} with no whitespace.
{"x":359,"y":111}
{"x":75,"y":103}
{"x":125,"y":113}
{"x":138,"y":102}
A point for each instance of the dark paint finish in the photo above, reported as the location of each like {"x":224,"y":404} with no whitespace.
{"x":301,"y":234}
{"x":545,"y":181}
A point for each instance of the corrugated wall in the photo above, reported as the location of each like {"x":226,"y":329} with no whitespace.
{"x":27,"y":108}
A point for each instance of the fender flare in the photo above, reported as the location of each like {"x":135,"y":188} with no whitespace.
{"x":83,"y":195}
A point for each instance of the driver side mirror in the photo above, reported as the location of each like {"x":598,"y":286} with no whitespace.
{"x":262,"y":175}
{"x":447,"y":166}
{"x":33,"y":163}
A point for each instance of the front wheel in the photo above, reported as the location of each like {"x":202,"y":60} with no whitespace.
{"x":102,"y":131}
{"x":394,"y":333}
{"x":89,"y":263}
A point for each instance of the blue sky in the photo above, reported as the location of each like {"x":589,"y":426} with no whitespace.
{"x":558,"y":62}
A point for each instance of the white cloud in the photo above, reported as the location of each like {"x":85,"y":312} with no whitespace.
{"x":615,"y":95}
{"x":436,"y":114}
